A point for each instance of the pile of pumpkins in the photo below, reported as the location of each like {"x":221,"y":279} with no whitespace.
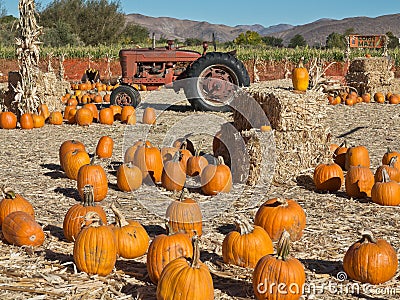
{"x":351,"y":98}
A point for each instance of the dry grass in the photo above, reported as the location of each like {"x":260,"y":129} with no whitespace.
{"x":29,"y":163}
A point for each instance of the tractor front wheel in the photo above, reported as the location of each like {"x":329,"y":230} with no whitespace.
{"x":125,"y":95}
{"x":213,"y":79}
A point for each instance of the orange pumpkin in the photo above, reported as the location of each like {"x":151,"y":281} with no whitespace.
{"x":104,"y":148}
{"x":106,"y":116}
{"x":26,"y":121}
{"x":13,"y":202}
{"x":8,"y":120}
{"x":148,"y":160}
{"x":328,"y":177}
{"x":359,"y":181}
{"x":43,"y":110}
{"x":38,"y":121}
{"x":129,"y":177}
{"x":300,"y":77}
{"x":173,"y":177}
{"x":84,"y":117}
{"x":357,"y":156}
{"x":126,"y":112}
{"x":149,"y":116}
{"x":73,"y":161}
{"x":67,"y":146}
{"x":216,"y":178}
{"x":95,"y":176}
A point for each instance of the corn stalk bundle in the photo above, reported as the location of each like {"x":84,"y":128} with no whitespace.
{"x":28,"y":50}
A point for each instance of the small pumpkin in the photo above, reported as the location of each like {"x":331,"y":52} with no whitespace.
{"x":165,"y":248}
{"x":26,"y":121}
{"x":129,"y":177}
{"x":126,"y":112}
{"x":379,"y":97}
{"x":370,"y":260}
{"x":328,"y":177}
{"x":131,"y":237}
{"x":246,"y":245}
{"x":8,"y":120}
{"x":394,"y":99}
{"x":104,"y":148}
{"x":95,"y":176}
{"x":388,"y":156}
{"x":359,"y":181}
{"x":74,"y":218}
{"x":13,"y":202}
{"x":386,"y":192}
{"x":93,"y":108}
{"x":106,"y":116}
{"x":394,"y":173}
{"x":339,"y":156}
{"x":191,"y":280}
{"x":272,"y":273}
{"x":20,"y":228}
{"x":173,"y":177}
{"x":216,"y":178}
{"x":185,"y":215}
{"x":95,"y":248}
{"x":366,"y":97}
{"x":357,"y":156}
{"x":84,"y":117}
{"x":300,"y":77}
{"x":38,"y":121}
{"x":149,"y":116}
{"x":279,"y":214}
{"x":195,"y":164}
{"x":56,"y":118}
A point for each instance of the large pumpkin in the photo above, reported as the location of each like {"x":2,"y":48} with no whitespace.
{"x":190,"y":279}
{"x":95,"y":248}
{"x":20,"y":228}
{"x":165,"y":248}
{"x":185,"y":215}
{"x":300,"y":77}
{"x":359,"y":181}
{"x":370,"y":260}
{"x":105,"y":146}
{"x":74,"y":218}
{"x":55,"y":118}
{"x":328,"y":177}
{"x":26,"y":121}
{"x":216,"y":178}
{"x":131,"y":237}
{"x":73,"y":161}
{"x":84,"y":116}
{"x":130,"y":152}
{"x":279,"y":277}
{"x":13,"y":202}
{"x":106,"y":116}
{"x":246,"y":245}
{"x":173,"y":177}
{"x":129,"y":177}
{"x":357,"y":156}
{"x":148,"y":160}
{"x":95,"y":176}
{"x":386,"y":192}
{"x":278,"y":214}
{"x":67,"y":146}
{"x":8,"y":120}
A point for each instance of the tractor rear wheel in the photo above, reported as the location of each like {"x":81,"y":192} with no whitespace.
{"x":213,"y":79}
{"x":125,"y":95}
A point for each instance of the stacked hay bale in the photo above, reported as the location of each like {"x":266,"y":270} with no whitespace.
{"x":298,"y":140}
{"x":51,"y":89}
{"x":371,"y":75}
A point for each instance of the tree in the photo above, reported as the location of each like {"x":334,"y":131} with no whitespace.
{"x":193,"y":42}
{"x":272,"y":41}
{"x":94,"y":21}
{"x":59,"y":35}
{"x":3,"y":10}
{"x":134,"y":34}
{"x":248,"y":38}
{"x":297,"y":41}
{"x":336,"y":40}
{"x":393,"y":41}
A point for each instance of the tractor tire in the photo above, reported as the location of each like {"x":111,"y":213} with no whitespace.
{"x":125,"y":95}
{"x":212,"y":81}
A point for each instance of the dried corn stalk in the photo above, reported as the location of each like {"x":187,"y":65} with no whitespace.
{"x":26,"y":98}
{"x":61,"y":69}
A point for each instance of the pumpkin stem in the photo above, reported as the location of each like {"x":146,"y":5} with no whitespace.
{"x":221,"y":160}
{"x":88,"y":196}
{"x":282,"y":201}
{"x":169,"y":229}
{"x":183,"y":145}
{"x":243,"y":225}
{"x":283,"y":246}
{"x":392,"y":161}
{"x":119,"y":217}
{"x":93,"y":160}
{"x":367,"y":236}
{"x":93,"y":219}
{"x":385,"y":176}
{"x":8,"y":193}
{"x":196,"y":253}
{"x":183,"y":194}
{"x":199,"y":147}
{"x":177,"y":156}
{"x":301,"y":64}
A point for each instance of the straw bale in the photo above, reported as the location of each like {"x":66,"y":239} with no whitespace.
{"x":284,"y":109}
{"x":50,"y":89}
{"x":371,"y":64}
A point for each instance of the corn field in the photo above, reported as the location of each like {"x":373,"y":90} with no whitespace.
{"x":244,"y":53}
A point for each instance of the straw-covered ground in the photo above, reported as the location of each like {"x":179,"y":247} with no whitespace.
{"x":29,"y":163}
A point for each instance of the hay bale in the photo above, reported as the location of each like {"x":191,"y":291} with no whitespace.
{"x":371,"y":64}
{"x":284,"y":109}
{"x":50,"y":89}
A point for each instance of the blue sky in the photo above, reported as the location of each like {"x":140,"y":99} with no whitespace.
{"x":249,"y":12}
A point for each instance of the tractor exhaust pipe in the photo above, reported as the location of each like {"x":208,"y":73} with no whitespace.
{"x":154,"y":41}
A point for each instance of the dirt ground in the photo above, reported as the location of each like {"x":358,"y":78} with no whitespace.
{"x":29,"y":163}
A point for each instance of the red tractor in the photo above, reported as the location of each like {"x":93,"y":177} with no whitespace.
{"x":208,"y":79}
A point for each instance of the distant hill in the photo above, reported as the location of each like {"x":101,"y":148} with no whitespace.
{"x":314,"y":33}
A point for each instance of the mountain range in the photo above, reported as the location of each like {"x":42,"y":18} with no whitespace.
{"x":315,"y":32}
